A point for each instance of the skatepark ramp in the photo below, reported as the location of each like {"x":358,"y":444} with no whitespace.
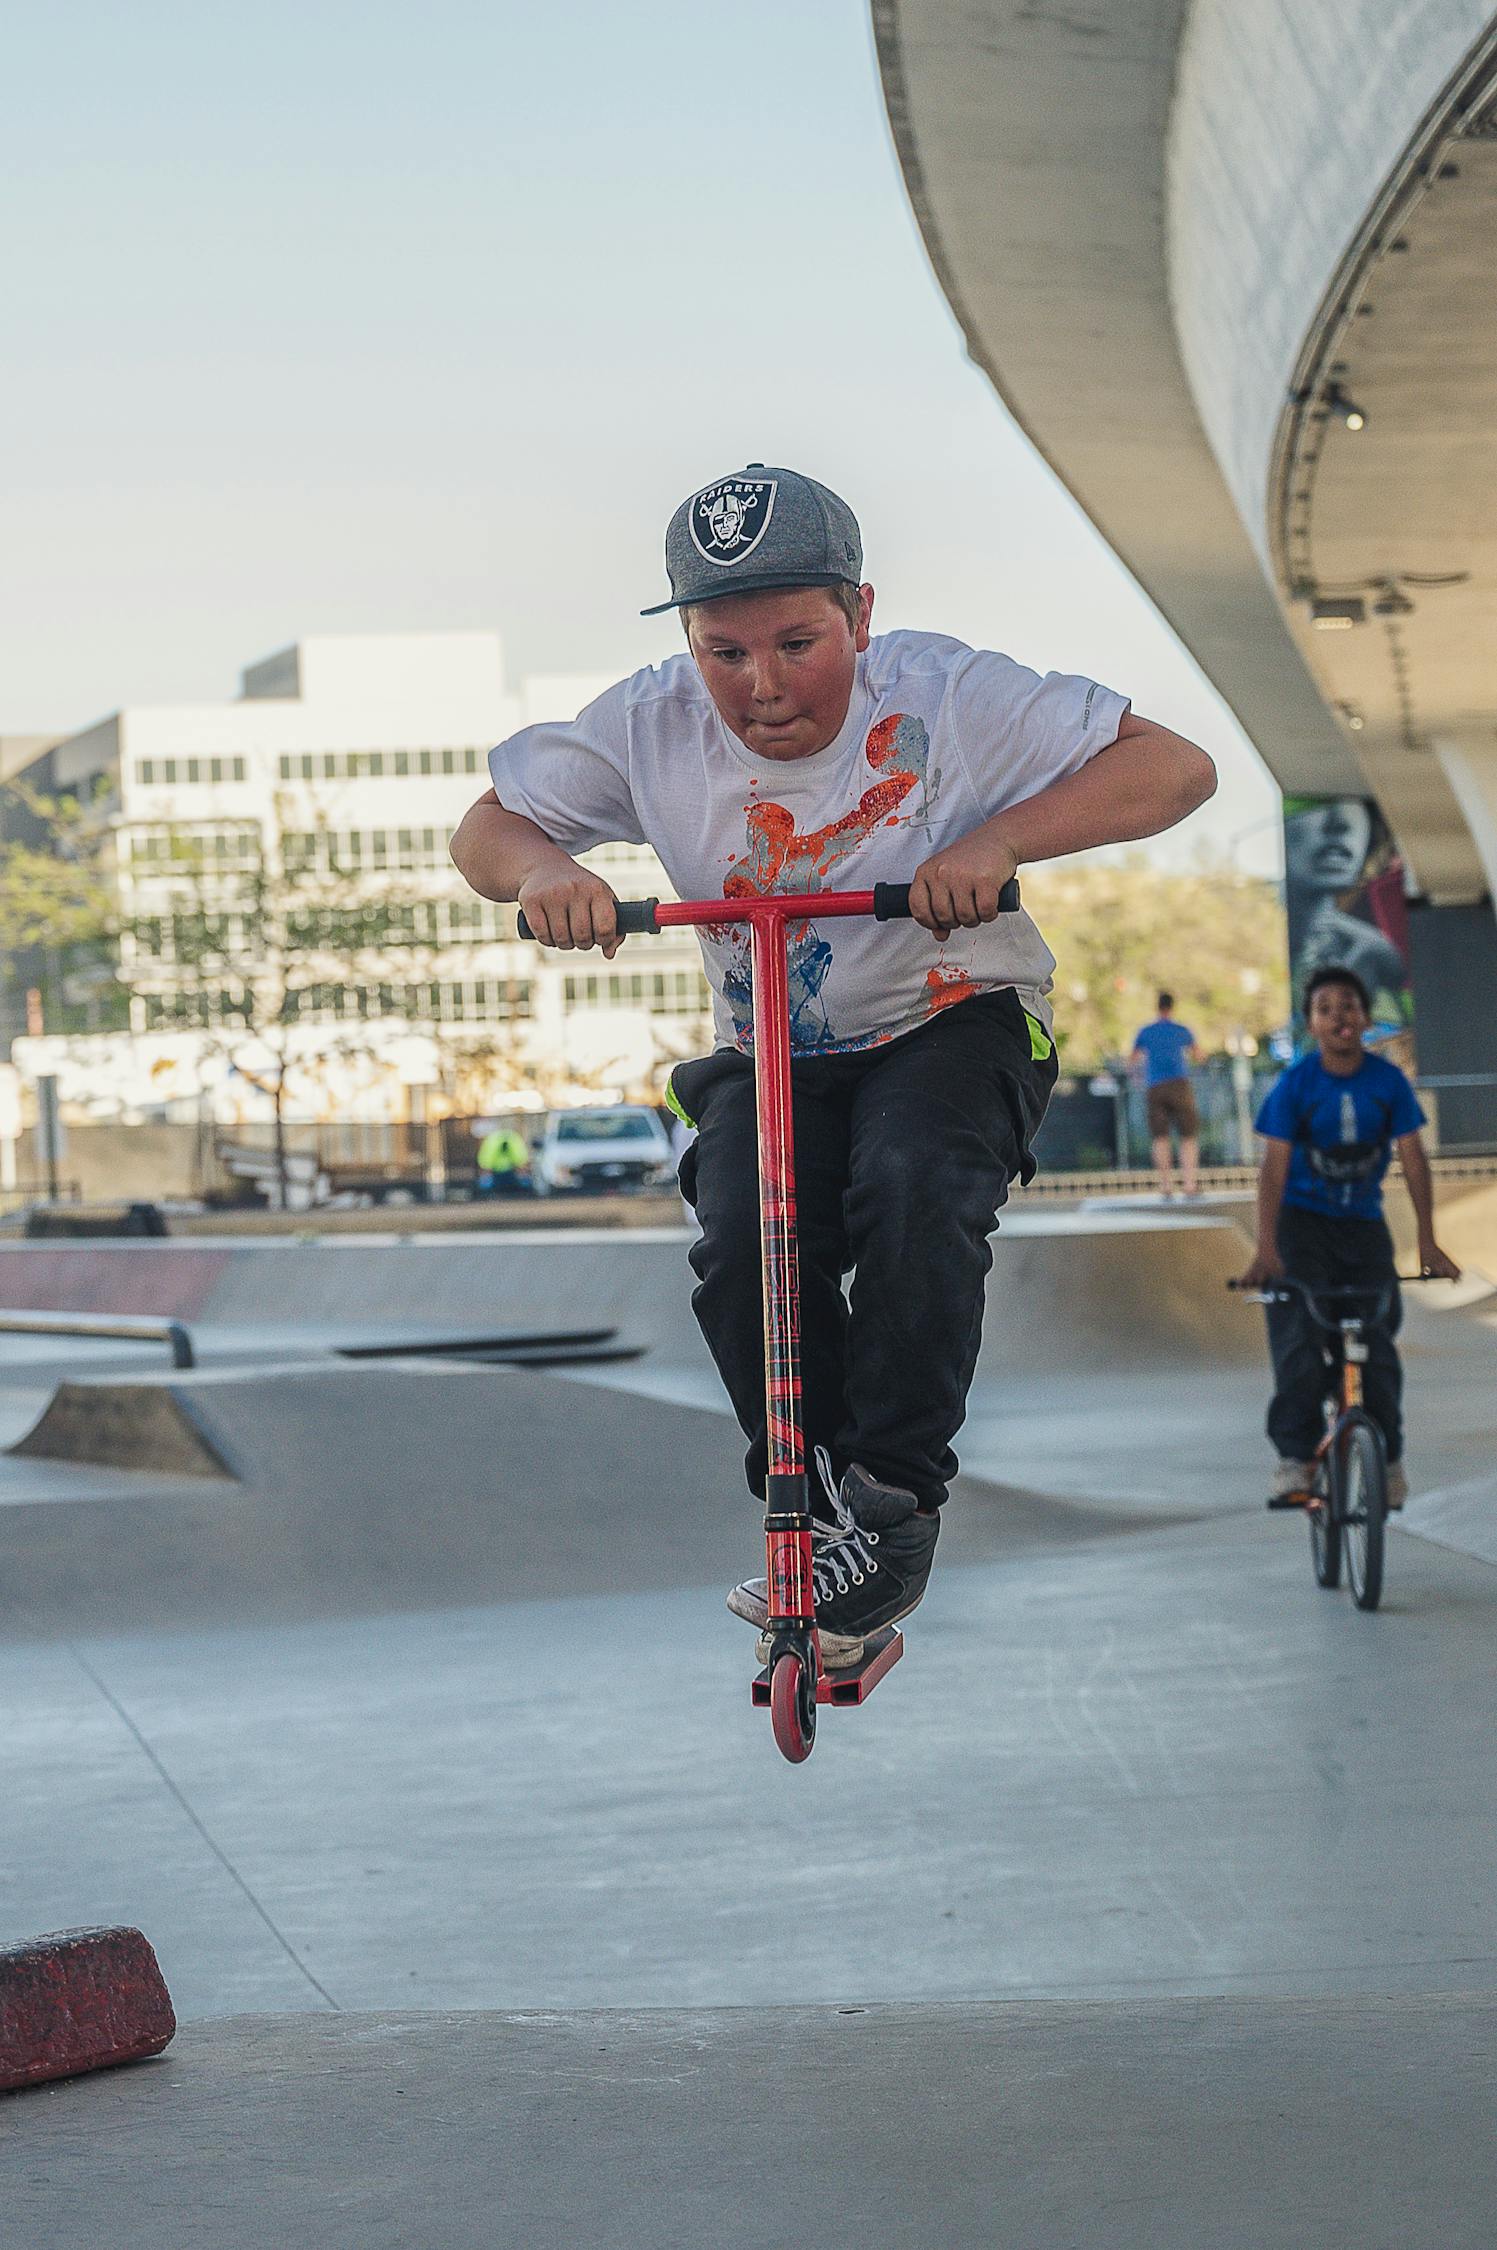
{"x":1066,"y":1288}
{"x":139,"y":1425}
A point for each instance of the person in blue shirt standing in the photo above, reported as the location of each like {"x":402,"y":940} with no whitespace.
{"x":1331,"y":1124}
{"x":1167,"y":1048}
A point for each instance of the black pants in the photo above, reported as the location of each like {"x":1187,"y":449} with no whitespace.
{"x":903,"y":1156}
{"x":1327,"y":1253}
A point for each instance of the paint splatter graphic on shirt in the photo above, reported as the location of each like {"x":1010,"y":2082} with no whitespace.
{"x":780,"y":857}
{"x":945,"y":986}
{"x":902,"y":744}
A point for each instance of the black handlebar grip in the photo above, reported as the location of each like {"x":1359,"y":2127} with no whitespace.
{"x":891,"y":901}
{"x":635,"y":917}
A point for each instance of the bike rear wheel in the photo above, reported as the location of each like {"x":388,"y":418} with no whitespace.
{"x":1325,"y":1532}
{"x":1362,"y":1490}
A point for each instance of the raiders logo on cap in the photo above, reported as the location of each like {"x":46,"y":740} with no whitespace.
{"x":728,"y":520}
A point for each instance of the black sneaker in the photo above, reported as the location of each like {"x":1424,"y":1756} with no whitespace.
{"x":750,"y":1599}
{"x":869,"y":1567}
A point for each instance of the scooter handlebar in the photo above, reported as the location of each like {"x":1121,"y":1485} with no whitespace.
{"x":633,"y":917}
{"x":891,"y":901}
{"x":637,"y":917}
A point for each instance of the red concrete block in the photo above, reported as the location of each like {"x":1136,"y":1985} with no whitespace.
{"x":79,"y":2000}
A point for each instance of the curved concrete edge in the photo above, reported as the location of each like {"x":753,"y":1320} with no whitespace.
{"x":1150,"y":2125}
{"x":1462,"y":1517}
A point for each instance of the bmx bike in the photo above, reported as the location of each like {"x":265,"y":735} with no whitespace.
{"x":795,"y":1681}
{"x":1347,"y":1503}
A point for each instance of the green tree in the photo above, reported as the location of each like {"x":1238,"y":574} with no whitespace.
{"x":1121,"y":932}
{"x":59,"y":923}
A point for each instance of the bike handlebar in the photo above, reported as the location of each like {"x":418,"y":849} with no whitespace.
{"x":639,"y":917}
{"x":1375,"y":1296}
{"x":1287,"y":1286}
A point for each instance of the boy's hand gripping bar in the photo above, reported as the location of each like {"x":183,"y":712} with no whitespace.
{"x":633,"y":917}
{"x":638,"y":917}
{"x":891,"y":901}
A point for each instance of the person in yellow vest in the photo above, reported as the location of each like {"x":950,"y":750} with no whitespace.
{"x":503,"y":1162}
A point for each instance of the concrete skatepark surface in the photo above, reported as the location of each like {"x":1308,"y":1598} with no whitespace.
{"x":421,"y":1746}
{"x":1161,"y":2126}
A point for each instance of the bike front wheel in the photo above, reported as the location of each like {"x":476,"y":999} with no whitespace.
{"x":1362,"y":1493}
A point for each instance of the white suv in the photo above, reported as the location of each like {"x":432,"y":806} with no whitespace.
{"x":603,"y":1148}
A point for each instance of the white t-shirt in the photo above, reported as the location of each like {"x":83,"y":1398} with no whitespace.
{"x":938,"y":738}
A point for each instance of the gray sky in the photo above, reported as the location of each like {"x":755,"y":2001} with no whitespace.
{"x":357,"y":319}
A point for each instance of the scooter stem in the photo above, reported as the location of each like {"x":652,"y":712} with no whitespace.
{"x":787,"y":1522}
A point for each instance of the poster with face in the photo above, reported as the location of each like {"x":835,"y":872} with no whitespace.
{"x":1344,"y":897}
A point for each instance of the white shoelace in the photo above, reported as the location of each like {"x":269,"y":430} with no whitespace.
{"x":841,"y":1549}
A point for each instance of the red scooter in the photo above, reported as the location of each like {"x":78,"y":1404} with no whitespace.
{"x":795,"y":1680}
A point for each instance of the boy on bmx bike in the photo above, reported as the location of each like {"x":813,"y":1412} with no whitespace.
{"x":788,"y":751}
{"x":1331,"y":1124}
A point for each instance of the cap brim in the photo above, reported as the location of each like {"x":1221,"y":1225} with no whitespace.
{"x":749,"y":586}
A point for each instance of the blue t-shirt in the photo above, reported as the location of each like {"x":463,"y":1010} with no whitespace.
{"x":1342,"y":1131}
{"x":1164,"y":1045}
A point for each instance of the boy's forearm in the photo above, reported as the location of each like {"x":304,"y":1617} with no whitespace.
{"x":1271,"y":1176}
{"x":495,"y":850}
{"x":1417,"y":1180}
{"x":1145,"y":782}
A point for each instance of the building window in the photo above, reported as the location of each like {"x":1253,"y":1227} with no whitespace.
{"x":236,"y":769}
{"x":678,"y":992}
{"x":145,"y":771}
{"x":402,"y":762}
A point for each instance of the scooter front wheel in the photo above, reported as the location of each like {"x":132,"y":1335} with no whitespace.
{"x":792,"y":1708}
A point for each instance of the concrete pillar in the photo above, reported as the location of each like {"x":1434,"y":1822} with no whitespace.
{"x":1470,"y":766}
{"x":1453,"y":951}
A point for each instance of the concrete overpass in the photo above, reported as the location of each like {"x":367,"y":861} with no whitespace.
{"x":1232,"y":272}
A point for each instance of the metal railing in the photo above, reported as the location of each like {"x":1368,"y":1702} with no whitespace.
{"x":130,"y":1328}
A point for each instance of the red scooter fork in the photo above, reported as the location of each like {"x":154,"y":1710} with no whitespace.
{"x":787,"y":1519}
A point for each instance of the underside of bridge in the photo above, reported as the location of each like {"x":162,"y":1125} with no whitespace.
{"x":1233,"y":273}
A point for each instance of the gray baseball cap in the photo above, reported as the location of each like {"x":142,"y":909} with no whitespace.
{"x":760,"y":529}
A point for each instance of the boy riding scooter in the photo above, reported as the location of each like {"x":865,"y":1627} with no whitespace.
{"x":790,"y":752}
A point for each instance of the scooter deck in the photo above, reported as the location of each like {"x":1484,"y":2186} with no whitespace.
{"x":881,"y":1651}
